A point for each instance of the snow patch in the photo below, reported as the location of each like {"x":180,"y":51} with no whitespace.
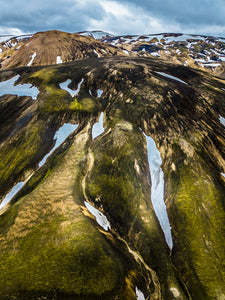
{"x":223,"y":174}
{"x":32,"y":59}
{"x":222,"y":120}
{"x":12,"y":193}
{"x":126,"y":52}
{"x":157,"y":188}
{"x":64,"y":86}
{"x":100,"y":217}
{"x":98,"y":128}
{"x":99,"y":92}
{"x":139,"y":294}
{"x":8,"y":87}
{"x":96,"y":34}
{"x":171,"y":77}
{"x":59,"y":60}
{"x":60,"y":136}
{"x":155,"y":54}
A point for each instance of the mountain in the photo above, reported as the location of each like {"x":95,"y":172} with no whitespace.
{"x":197,"y":51}
{"x":51,"y":47}
{"x":205,"y":52}
{"x":112,"y":175}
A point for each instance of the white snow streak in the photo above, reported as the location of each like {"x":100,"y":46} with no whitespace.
{"x":157,"y":188}
{"x":100,"y":217}
{"x":222,"y":120}
{"x":12,"y":193}
{"x":139,"y":294}
{"x":64,"y":86}
{"x":60,"y":137}
{"x":97,"y":53}
{"x":32,"y":59}
{"x":8,"y":87}
{"x":171,"y":77}
{"x":59,"y":60}
{"x":98,"y":128}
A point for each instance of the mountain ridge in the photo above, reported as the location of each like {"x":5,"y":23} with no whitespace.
{"x":197,"y":51}
{"x":53,"y":241}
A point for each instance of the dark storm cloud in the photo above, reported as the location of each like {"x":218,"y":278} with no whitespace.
{"x":199,"y":12}
{"x":120,"y":17}
{"x":32,"y":16}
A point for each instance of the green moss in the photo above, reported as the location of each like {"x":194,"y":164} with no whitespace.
{"x":198,"y":220}
{"x":52,"y":259}
{"x":20,"y":154}
{"x":75,"y":105}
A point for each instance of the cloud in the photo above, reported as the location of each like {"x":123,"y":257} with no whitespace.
{"x":129,"y":19}
{"x":119,"y":17}
{"x":32,"y":16}
{"x":10,"y":31}
{"x":142,"y":18}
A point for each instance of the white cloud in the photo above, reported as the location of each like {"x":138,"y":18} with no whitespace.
{"x":10,"y":31}
{"x":123,"y":19}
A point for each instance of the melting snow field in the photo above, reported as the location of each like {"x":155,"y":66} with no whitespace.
{"x":59,"y":60}
{"x":32,"y":59}
{"x":100,"y":218}
{"x":139,"y":294}
{"x":60,"y":137}
{"x":157,"y":188}
{"x":171,"y":77}
{"x":64,"y":86}
{"x":11,"y":194}
{"x":98,"y":128}
{"x":9,"y":87}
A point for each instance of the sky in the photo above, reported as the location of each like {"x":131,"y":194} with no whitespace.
{"x":117,"y":17}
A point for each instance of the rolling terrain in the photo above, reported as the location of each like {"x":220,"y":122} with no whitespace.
{"x":112,"y":171}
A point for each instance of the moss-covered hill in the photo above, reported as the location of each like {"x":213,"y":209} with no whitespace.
{"x":51,"y":245}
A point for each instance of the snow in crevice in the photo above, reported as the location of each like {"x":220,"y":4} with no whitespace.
{"x":99,"y":93}
{"x":222,"y":120}
{"x":99,"y":216}
{"x":97,"y":53}
{"x":171,"y":77}
{"x":9,"y":87}
{"x":59,"y":60}
{"x":32,"y":59}
{"x":223,"y":174}
{"x":64,"y":86}
{"x":157,"y":188}
{"x":59,"y":137}
{"x":12,"y":193}
{"x":139,"y":294}
{"x":97,"y":128}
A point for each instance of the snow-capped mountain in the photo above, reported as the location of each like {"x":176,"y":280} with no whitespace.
{"x":196,"y":51}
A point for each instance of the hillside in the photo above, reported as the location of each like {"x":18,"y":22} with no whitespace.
{"x":199,"y":52}
{"x":112,"y":175}
{"x":54,"y":47}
